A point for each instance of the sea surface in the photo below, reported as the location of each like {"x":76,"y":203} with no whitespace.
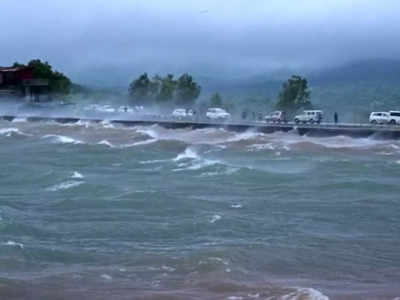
{"x":102,"y":211}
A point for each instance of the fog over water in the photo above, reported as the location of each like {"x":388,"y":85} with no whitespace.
{"x":235,"y":38}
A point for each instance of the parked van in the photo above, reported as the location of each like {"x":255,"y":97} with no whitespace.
{"x":394,"y":117}
{"x":309,"y":116}
{"x":379,"y":117}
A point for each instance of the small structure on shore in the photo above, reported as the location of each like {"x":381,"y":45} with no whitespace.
{"x":19,"y":82}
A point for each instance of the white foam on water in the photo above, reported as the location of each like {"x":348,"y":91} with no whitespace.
{"x":398,"y":162}
{"x":203,"y":164}
{"x":107,"y":124}
{"x":168,"y":269}
{"x":236,"y":205}
{"x":187,"y":154}
{"x":244,"y":136}
{"x":12,"y":131}
{"x":156,"y":161}
{"x":235,"y":298}
{"x":14,"y":244}
{"x":77,"y":175}
{"x":106,"y":276}
{"x":146,"y":142}
{"x":80,"y":123}
{"x":64,"y":186}
{"x":106,"y":143}
{"x":254,"y":296}
{"x":215,"y":218}
{"x":305,"y":294}
{"x":260,"y":147}
{"x":19,"y":120}
{"x":61,"y":139}
{"x":149,"y":132}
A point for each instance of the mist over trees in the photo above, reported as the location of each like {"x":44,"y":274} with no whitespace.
{"x":162,"y":90}
{"x":294,"y":95}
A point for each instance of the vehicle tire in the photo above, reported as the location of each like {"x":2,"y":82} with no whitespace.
{"x":392,"y":122}
{"x":312,"y":121}
{"x":297,"y":121}
{"x":373,"y":122}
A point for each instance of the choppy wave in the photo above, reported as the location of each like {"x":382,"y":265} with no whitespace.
{"x":62,"y":139}
{"x":305,"y":294}
{"x":19,"y":120}
{"x":64,"y":186}
{"x":77,"y":175}
{"x":106,"y":143}
{"x":191,"y":160}
{"x":8,"y":132}
{"x":14,"y":244}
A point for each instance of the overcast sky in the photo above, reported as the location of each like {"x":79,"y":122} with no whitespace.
{"x":206,"y":36}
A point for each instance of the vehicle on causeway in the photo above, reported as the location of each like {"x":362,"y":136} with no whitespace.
{"x":276,"y":117}
{"x":309,"y":116}
{"x":392,"y":117}
{"x":181,"y":113}
{"x":216,"y":113}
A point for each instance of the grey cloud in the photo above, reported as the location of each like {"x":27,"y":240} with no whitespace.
{"x":234,"y":36}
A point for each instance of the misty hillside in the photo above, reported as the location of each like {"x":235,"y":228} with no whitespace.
{"x":358,"y":87}
{"x":353,"y":89}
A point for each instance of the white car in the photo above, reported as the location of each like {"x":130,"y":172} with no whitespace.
{"x":379,"y":117}
{"x":309,"y":116}
{"x":180,"y":113}
{"x":276,"y":117}
{"x":394,"y":117}
{"x":216,"y":113}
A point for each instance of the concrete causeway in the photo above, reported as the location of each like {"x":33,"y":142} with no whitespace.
{"x":323,"y":129}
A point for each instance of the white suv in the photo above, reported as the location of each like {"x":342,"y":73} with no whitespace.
{"x":216,"y":113}
{"x":180,"y":113}
{"x":379,"y":118}
{"x":394,"y":117}
{"x":309,"y":116}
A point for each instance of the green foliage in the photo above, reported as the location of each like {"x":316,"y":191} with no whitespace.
{"x":294,"y":95}
{"x":164,"y":89}
{"x":187,"y":89}
{"x":216,"y":100}
{"x":167,"y":89}
{"x":58,"y":82}
{"x":140,"y":88}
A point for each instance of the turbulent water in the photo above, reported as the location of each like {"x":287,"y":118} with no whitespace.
{"x":100,"y":211}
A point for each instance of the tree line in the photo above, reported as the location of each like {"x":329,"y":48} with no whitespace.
{"x":183,"y":90}
{"x":294,"y":94}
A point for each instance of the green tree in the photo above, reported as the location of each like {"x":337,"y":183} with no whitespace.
{"x":164,"y":89}
{"x":167,"y":89}
{"x":58,"y":82}
{"x":186,"y":89}
{"x":140,"y":88}
{"x":294,"y":95}
{"x":216,"y":100}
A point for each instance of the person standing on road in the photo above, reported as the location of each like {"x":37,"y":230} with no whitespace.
{"x":335,"y":117}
